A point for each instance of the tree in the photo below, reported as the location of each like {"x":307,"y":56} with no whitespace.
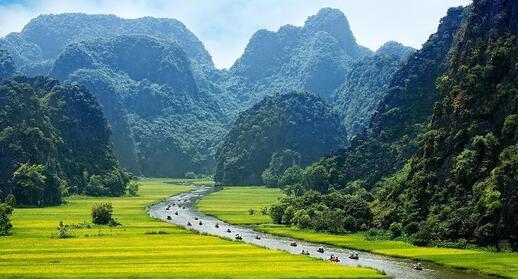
{"x":29,"y":184}
{"x":5,"y":224}
{"x":10,"y":200}
{"x":102,"y":213}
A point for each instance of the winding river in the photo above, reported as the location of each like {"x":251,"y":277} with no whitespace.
{"x":184,"y":204}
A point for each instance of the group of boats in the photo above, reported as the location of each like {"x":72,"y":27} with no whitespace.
{"x":353,"y":255}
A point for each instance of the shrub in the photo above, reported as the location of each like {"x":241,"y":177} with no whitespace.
{"x":411,"y":228}
{"x":5,"y":223}
{"x":276,"y":212}
{"x":10,"y":200}
{"x":102,"y":213}
{"x":62,"y":231}
{"x":396,"y":229}
{"x":251,"y":211}
{"x":190,"y":175}
{"x":264,"y":210}
{"x":133,"y":188}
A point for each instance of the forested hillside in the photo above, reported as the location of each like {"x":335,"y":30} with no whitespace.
{"x":314,"y":58}
{"x":54,"y":140}
{"x":439,"y":159}
{"x":341,"y":185}
{"x":163,"y":125}
{"x":402,"y":115}
{"x":462,"y":184}
{"x":278,"y":132}
{"x":366,"y":82}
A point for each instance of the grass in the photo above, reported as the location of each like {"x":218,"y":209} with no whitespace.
{"x":233,"y":203}
{"x":142,"y":247}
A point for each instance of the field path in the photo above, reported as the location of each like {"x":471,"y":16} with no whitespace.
{"x":180,"y":209}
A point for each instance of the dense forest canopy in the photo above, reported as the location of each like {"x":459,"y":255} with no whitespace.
{"x":54,"y":141}
{"x":294,"y":127}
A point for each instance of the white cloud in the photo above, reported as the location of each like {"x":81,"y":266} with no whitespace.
{"x":225,"y":26}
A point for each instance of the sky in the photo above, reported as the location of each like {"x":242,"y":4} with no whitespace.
{"x":225,"y":26}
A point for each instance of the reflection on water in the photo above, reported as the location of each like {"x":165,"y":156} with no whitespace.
{"x":180,"y":210}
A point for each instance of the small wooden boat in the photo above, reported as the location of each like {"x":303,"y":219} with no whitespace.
{"x":189,"y":224}
{"x":354,"y":256}
{"x":320,"y":249}
{"x":176,"y":213}
{"x":293,"y":244}
{"x":334,"y":258}
{"x":238,"y":237}
{"x":418,"y":266}
{"x":200,"y":223}
{"x":169,"y":218}
{"x":257,"y":237}
{"x":229,"y":231}
{"x":217,"y":226}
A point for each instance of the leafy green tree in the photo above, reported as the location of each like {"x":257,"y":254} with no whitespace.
{"x":10,"y":200}
{"x":5,"y":223}
{"x":102,"y":213}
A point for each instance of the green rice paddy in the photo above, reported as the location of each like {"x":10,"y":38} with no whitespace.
{"x":142,"y":247}
{"x":232,"y":204}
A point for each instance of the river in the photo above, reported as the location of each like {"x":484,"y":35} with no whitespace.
{"x":184,"y":205}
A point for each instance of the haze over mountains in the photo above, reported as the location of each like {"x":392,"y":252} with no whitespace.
{"x":159,"y":89}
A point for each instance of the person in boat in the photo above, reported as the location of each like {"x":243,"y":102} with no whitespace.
{"x":418,"y":266}
{"x":354,"y":255}
{"x":257,"y":237}
{"x":189,"y":224}
{"x":293,"y":244}
{"x":229,"y":231}
{"x":167,"y":208}
{"x":169,"y":218}
{"x":176,"y":213}
{"x":200,"y":223}
{"x":334,"y":258}
{"x":320,"y":249}
{"x":217,"y":225}
{"x":196,"y":218}
{"x":238,"y":237}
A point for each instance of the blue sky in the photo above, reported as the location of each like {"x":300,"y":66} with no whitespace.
{"x":225,"y":26}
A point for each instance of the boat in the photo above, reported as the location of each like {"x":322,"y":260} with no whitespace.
{"x":229,"y":231}
{"x":176,"y":213}
{"x":189,"y":224}
{"x":354,"y":256}
{"x":320,"y":249}
{"x":293,"y":244}
{"x":238,"y":237}
{"x":200,"y":223}
{"x":418,"y":266}
{"x":334,"y":258}
{"x":257,"y":237}
{"x":216,"y":226}
{"x":169,"y":218}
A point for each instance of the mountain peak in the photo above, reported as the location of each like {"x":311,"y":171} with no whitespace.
{"x":395,"y":48}
{"x":334,"y":22}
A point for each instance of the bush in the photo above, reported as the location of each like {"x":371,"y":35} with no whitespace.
{"x":264,"y":210}
{"x":62,"y":231}
{"x":132,"y":188}
{"x":251,"y":211}
{"x":10,"y":200}
{"x":276,"y":212}
{"x":190,"y":175}
{"x":5,"y":223}
{"x":396,"y":229}
{"x":411,"y":228}
{"x":102,"y":213}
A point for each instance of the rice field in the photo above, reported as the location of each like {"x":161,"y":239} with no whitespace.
{"x":232,"y":204}
{"x":142,"y":247}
